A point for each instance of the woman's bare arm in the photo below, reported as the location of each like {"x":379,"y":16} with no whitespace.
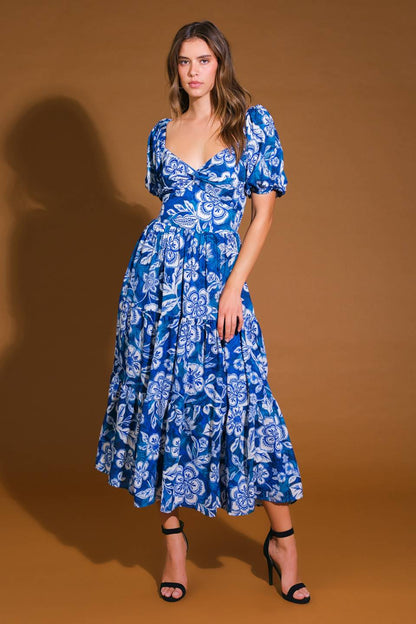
{"x":230,"y":309}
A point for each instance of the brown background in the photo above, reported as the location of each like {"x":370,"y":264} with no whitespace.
{"x":82,"y":84}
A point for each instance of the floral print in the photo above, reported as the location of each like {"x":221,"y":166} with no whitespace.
{"x":191,"y":420}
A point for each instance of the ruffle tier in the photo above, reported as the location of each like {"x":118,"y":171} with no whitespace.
{"x":191,"y":420}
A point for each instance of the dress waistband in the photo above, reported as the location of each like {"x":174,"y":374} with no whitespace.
{"x":191,"y":224}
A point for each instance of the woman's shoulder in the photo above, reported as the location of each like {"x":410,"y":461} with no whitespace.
{"x":259,"y":115}
{"x":158,"y":127}
{"x":260,"y":122}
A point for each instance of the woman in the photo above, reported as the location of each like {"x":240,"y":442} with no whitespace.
{"x":191,"y":420}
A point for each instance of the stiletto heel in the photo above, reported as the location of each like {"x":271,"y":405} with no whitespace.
{"x":272,"y":564}
{"x":178,"y":529}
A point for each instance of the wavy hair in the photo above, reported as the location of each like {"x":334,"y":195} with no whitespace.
{"x":229,"y":100}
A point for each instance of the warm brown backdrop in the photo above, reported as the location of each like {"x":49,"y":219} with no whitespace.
{"x":82,"y":84}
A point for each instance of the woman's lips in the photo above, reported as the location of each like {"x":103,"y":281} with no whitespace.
{"x":195,"y":84}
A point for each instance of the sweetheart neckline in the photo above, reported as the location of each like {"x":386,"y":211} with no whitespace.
{"x":167,"y":119}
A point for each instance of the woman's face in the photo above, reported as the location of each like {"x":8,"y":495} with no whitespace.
{"x":197,"y":67}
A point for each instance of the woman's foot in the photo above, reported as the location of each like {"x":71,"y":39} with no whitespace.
{"x":175,"y":568}
{"x":283,"y":551}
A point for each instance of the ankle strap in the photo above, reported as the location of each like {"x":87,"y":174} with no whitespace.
{"x":175,"y":529}
{"x":282,"y":533}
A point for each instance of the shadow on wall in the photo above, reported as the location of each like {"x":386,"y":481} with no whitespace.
{"x":71,"y":241}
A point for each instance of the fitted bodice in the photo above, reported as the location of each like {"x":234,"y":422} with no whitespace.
{"x":212,"y":198}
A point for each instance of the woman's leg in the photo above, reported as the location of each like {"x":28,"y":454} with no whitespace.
{"x":283,"y":549}
{"x":175,"y":568}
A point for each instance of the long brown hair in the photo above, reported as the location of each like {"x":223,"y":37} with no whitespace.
{"x":229,"y":100}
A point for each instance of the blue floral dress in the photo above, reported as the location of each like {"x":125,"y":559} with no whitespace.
{"x":191,"y":419}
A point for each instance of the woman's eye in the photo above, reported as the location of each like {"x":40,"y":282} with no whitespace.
{"x":203,"y":61}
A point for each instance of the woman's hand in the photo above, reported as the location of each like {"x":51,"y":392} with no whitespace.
{"x":230,"y":312}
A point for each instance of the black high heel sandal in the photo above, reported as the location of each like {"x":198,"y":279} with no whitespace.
{"x":271,"y":564}
{"x":178,"y":529}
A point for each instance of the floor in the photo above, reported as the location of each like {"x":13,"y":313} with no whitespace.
{"x":96,"y":559}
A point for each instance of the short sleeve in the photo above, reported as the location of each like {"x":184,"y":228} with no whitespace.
{"x":152,"y":179}
{"x":264,"y":166}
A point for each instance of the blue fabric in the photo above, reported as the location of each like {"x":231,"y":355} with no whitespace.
{"x":191,"y":419}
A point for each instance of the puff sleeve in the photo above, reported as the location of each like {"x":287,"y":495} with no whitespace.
{"x":264,"y":167}
{"x":152,"y":180}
